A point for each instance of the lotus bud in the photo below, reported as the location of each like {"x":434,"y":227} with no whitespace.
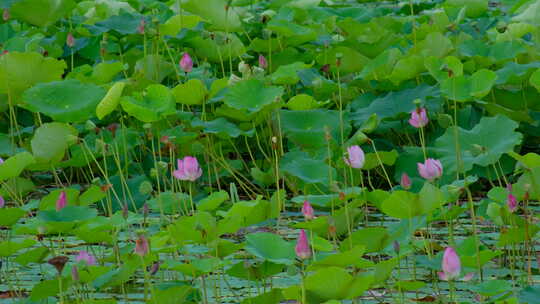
{"x":186,"y":64}
{"x":263,"y":64}
{"x":1,"y":161}
{"x":5,"y":14}
{"x":61,"y":202}
{"x":86,"y":257}
{"x":154,"y":269}
{"x":188,"y":169}
{"x":511,"y":202}
{"x":142,"y":247}
{"x":140,"y":27}
{"x":302,"y":249}
{"x":431,"y":169}
{"x":419,"y":118}
{"x":356,"y":157}
{"x":70,"y":40}
{"x":405,"y":181}
{"x":451,"y":265}
{"x":2,"y":202}
{"x":325,"y":68}
{"x":307,"y":211}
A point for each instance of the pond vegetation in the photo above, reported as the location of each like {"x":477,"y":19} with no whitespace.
{"x":265,"y":152}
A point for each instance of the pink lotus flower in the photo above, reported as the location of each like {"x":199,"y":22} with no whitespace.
{"x":263,"y":64}
{"x":62,"y":201}
{"x":188,"y":169}
{"x":419,"y":118}
{"x":70,"y":40}
{"x":85,"y":256}
{"x":356,"y":157}
{"x":405,"y":181}
{"x":2,"y":202}
{"x":141,"y":246}
{"x":308,"y":211}
{"x":430,"y":169}
{"x":186,"y":63}
{"x":1,"y":161}
{"x":451,"y":265}
{"x":140,"y":27}
{"x":302,"y":248}
{"x":5,"y":14}
{"x":511,"y":202}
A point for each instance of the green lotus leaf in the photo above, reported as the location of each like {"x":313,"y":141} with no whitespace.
{"x":155,"y":103}
{"x":464,"y":88}
{"x":308,"y":129}
{"x":20,"y":71}
{"x":397,"y":104}
{"x":223,"y":47}
{"x":302,"y":102}
{"x":51,"y":140}
{"x":403,"y":204}
{"x":333,"y":283}
{"x":13,"y":166}
{"x":479,"y":146}
{"x":534,"y":80}
{"x":271,"y":247}
{"x":192,"y":92}
{"x":252,"y":95}
{"x":288,"y":74}
{"x":381,"y":66}
{"x":178,"y":22}
{"x":154,"y":68}
{"x":515,"y":73}
{"x":351,"y":60}
{"x":473,"y":8}
{"x":435,"y":44}
{"x":123,"y":23}
{"x":41,"y":12}
{"x":68,"y":214}
{"x":222,"y":127}
{"x":309,"y":170}
{"x":111,"y":100}
{"x":530,"y":13}
{"x":215,"y":11}
{"x":10,"y":216}
{"x":64,"y":101}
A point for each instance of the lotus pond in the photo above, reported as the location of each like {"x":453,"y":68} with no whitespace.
{"x":266,"y":152}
